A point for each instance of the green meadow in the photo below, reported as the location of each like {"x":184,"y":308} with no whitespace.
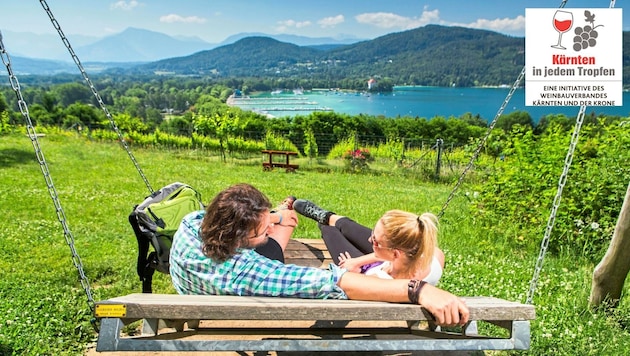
{"x":44,"y":308}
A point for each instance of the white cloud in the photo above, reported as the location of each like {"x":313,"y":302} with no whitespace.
{"x":286,"y":24}
{"x":391,"y":20}
{"x":428,"y":17}
{"x":331,"y":21}
{"x":515,"y":25}
{"x":125,"y":5}
{"x":172,"y":18}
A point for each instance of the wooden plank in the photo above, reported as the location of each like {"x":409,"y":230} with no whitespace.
{"x":290,"y":153}
{"x":307,"y":252}
{"x":207,"y":307}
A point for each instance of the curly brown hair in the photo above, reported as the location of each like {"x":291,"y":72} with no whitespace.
{"x":229,"y":220}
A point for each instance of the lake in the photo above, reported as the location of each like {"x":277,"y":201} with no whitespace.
{"x":426,"y":102}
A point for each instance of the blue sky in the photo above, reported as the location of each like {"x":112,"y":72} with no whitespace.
{"x":213,"y":21}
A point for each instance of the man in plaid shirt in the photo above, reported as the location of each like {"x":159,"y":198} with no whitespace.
{"x":222,"y":251}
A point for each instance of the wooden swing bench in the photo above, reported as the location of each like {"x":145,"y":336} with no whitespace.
{"x":174,"y":322}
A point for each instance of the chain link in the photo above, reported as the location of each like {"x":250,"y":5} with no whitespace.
{"x":96,"y":94}
{"x":61,"y":216}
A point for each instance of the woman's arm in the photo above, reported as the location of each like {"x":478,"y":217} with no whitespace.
{"x":353,"y":264}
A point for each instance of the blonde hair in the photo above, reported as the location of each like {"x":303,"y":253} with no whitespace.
{"x":415,"y":235}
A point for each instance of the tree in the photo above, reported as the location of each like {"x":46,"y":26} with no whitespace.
{"x":310,"y":146}
{"x":49,"y":101}
{"x":70,"y":93}
{"x":610,"y":274}
{"x":220,"y":125}
{"x":4,"y":122}
{"x":126,"y":123}
{"x":86,"y":114}
{"x":475,"y":120}
{"x":40,"y":116}
{"x":506,"y":122}
{"x":3,"y":104}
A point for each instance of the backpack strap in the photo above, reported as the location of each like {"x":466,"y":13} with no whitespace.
{"x":158,"y":221}
{"x":147,"y":277}
{"x":143,"y":264}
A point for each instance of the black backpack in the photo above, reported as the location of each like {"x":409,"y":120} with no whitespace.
{"x":154,"y":221}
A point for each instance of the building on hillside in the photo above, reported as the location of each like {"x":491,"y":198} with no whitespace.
{"x":371,"y":84}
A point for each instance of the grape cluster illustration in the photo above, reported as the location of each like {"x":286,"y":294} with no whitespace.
{"x":586,"y":36}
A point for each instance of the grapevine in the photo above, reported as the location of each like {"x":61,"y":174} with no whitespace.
{"x":586,"y":36}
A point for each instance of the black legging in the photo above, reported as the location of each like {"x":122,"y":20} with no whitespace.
{"x":346,"y":236}
{"x":271,"y":249}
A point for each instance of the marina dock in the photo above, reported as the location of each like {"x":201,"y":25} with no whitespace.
{"x":276,"y":104}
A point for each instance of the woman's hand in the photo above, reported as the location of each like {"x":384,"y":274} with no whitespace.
{"x":351,"y":264}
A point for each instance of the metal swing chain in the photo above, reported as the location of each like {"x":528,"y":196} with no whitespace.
{"x":556,"y":201}
{"x":483,"y":141}
{"x":488,"y":132}
{"x":556,"y":204}
{"x":61,"y":215}
{"x":96,"y":94}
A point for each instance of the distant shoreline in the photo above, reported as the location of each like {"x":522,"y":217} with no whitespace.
{"x":416,"y":102}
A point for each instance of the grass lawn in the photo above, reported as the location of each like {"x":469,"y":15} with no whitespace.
{"x":43,"y":305}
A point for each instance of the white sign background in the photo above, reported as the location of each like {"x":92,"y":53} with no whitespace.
{"x":545,"y":86}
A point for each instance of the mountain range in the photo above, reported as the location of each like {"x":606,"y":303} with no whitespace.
{"x":133,"y":45}
{"x":429,"y":55}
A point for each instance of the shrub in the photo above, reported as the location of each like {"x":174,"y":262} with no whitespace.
{"x":277,"y":142}
{"x":357,"y":160}
{"x":519,"y":191}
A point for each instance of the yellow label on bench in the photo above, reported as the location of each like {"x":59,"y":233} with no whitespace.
{"x":111,"y":311}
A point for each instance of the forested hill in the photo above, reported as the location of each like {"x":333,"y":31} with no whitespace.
{"x":438,"y":55}
{"x":250,"y":56}
{"x":430,"y":55}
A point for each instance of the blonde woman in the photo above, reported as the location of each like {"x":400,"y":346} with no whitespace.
{"x":401,"y":245}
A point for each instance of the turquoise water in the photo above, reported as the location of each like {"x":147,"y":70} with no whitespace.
{"x":426,"y":102}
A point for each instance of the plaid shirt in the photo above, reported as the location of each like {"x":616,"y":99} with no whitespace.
{"x":246,"y":273}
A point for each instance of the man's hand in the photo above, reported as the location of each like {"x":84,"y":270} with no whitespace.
{"x":447,"y":309}
{"x":289,"y":217}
